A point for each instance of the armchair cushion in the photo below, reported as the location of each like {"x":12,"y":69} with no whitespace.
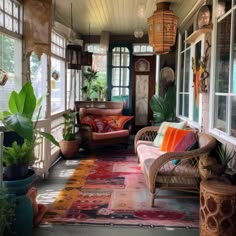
{"x":158,"y":140}
{"x":117,"y":122}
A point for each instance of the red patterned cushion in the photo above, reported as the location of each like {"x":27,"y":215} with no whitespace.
{"x":117,"y":122}
{"x":89,"y":120}
{"x":102,"y":126}
{"x":171,"y":138}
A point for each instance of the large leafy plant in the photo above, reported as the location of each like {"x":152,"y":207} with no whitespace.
{"x":164,"y":107}
{"x":19,"y":118}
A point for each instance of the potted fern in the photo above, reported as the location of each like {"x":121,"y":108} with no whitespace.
{"x":69,"y":145}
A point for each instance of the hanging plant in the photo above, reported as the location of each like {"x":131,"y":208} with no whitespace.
{"x":55,"y":75}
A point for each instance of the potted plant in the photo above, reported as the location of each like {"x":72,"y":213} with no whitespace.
{"x":69,"y":145}
{"x":19,"y":152}
{"x":164,"y":107}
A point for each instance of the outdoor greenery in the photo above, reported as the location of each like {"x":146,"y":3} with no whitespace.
{"x":94,"y":84}
{"x":69,"y":131}
{"x":164,"y":107}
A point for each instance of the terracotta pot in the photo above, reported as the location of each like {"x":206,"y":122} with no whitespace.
{"x":69,"y":148}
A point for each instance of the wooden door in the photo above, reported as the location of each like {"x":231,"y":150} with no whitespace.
{"x":143,"y":87}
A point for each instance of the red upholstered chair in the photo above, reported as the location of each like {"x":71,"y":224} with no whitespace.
{"x":102,"y":123}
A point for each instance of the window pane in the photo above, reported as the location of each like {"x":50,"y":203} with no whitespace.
{"x":124,"y":77}
{"x":115,"y":58}
{"x":8,"y":6}
{"x":222,"y":55}
{"x":115,"y":77}
{"x":181,"y":79}
{"x":125,"y":57}
{"x":8,"y":22}
{"x":186,"y":104}
{"x":233,"y":86}
{"x":120,"y":95}
{"x":38,"y":68}
{"x":182,"y":41}
{"x":57,"y":85}
{"x":233,"y":117}
{"x":187,"y":72}
{"x":220,"y":113}
{"x":10,"y":62}
{"x":181,"y":104}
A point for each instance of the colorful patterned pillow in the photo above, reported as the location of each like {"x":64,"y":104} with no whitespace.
{"x":171,"y":138}
{"x":117,"y":122}
{"x":89,"y":120}
{"x":158,"y":140}
{"x":102,"y":126}
{"x":187,"y":143}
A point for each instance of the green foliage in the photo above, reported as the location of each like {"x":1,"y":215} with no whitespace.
{"x":164,"y":107}
{"x":224,"y":155}
{"x":18,"y":154}
{"x":94,"y":84}
{"x":7,"y":211}
{"x":19,"y":119}
{"x":69,"y":131}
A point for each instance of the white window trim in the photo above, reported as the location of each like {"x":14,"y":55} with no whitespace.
{"x":216,"y":132}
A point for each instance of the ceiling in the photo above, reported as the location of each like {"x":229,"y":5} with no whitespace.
{"x":115,"y":16}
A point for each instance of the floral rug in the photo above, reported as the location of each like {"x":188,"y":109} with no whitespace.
{"x":110,"y":189}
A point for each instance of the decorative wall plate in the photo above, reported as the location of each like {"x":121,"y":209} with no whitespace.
{"x":167,"y":74}
{"x":204,"y":16}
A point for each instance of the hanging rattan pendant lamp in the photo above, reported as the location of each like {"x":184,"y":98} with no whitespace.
{"x":162,"y":26}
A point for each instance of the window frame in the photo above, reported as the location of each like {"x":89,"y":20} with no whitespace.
{"x":184,"y":51}
{"x":213,"y":93}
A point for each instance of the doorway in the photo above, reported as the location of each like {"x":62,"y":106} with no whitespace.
{"x":143,"y":88}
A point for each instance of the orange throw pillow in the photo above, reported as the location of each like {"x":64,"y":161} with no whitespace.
{"x":171,"y":138}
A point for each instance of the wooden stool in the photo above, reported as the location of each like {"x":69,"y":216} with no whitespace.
{"x":217,"y":209}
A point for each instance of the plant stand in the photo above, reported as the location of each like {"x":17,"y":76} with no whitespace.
{"x":23,"y":223}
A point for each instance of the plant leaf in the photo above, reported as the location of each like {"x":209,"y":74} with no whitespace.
{"x":23,"y":126}
{"x":48,"y":136}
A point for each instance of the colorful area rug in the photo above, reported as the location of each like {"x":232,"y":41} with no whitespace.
{"x":111,"y":190}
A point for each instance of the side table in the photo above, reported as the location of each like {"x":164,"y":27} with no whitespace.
{"x":217,"y":209}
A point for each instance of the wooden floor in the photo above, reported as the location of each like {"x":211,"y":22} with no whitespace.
{"x":48,"y":190}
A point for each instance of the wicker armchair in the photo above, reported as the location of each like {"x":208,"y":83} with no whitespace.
{"x":159,"y":170}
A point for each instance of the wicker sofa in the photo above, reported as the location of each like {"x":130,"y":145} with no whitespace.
{"x":90,"y":138}
{"x":159,"y":170}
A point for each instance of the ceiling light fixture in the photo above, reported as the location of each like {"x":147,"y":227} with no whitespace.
{"x":162,"y":26}
{"x":73,"y":53}
{"x":87,"y":57}
{"x":138,"y":33}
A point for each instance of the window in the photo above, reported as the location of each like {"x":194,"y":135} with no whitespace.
{"x":58,"y":77}
{"x":100,"y":65}
{"x":223,"y":115}
{"x":10,"y":50}
{"x":120,"y":75}
{"x":38,"y":70}
{"x":142,"y":49}
{"x":10,"y":15}
{"x":184,"y":76}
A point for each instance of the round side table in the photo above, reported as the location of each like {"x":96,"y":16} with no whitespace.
{"x":217,"y":209}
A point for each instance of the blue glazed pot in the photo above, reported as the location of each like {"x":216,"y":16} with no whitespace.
{"x":20,"y":186}
{"x":23,"y":222}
